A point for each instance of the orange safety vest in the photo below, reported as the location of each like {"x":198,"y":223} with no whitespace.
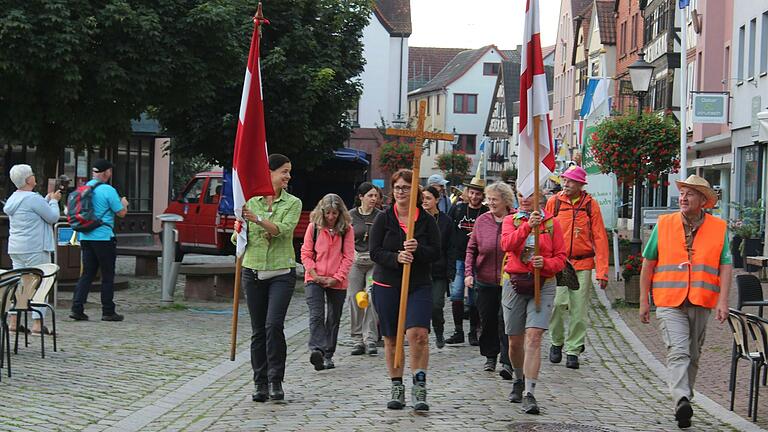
{"x":676,"y":278}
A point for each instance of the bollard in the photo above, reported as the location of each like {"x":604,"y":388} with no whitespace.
{"x":170,"y":267}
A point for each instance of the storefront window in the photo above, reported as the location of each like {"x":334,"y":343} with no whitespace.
{"x":750,"y":180}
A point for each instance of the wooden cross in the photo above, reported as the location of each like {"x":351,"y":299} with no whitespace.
{"x":418,"y":135}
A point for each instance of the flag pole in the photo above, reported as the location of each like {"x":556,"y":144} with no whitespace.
{"x":258,"y":20}
{"x":235,"y":307}
{"x":536,"y":199}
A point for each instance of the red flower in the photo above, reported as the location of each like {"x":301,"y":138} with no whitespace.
{"x":628,"y":266}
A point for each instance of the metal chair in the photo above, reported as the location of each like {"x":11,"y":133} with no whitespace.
{"x":737,"y":320}
{"x":40,"y":300}
{"x":7,"y":296}
{"x":759,"y":329}
{"x":31,"y":279}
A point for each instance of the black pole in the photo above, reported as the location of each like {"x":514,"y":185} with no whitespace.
{"x":636,"y":244}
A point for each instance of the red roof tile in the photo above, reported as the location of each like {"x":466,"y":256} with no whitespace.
{"x":424,"y":63}
{"x":395,"y":16}
{"x":607,"y":21}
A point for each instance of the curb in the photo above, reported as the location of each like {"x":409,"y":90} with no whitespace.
{"x":710,"y":406}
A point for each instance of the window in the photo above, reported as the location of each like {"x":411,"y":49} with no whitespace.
{"x":633,"y":37}
{"x":215,"y":185}
{"x":192,"y":194}
{"x":437,"y":105}
{"x":132,"y":175}
{"x":750,"y":180}
{"x":429,"y":104}
{"x":752,"y":50}
{"x":491,"y":69}
{"x":467,"y":144}
{"x":465,"y":103}
{"x":740,"y":58}
{"x":764,"y":45}
{"x":623,"y":35}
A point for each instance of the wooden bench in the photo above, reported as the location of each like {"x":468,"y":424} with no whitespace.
{"x":146,"y":258}
{"x":761,"y":262}
{"x":208,"y":281}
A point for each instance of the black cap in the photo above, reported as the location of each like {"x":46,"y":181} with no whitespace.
{"x":101,"y":165}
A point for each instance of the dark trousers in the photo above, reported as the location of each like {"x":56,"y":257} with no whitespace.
{"x":97,"y":255}
{"x":503,"y":340}
{"x":439,"y":290}
{"x":268,"y":302}
{"x":488,"y":302}
{"x":324,"y":321}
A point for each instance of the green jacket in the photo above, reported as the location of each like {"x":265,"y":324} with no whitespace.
{"x":275,"y":253}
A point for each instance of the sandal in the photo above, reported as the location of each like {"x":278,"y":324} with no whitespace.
{"x":45,"y":330}
{"x":20,"y":329}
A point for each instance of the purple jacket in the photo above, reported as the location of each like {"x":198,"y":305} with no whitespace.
{"x":484,"y":254}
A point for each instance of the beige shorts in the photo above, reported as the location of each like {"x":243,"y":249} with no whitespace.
{"x":520,"y":311}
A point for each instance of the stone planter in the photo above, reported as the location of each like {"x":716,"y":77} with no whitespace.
{"x":632,"y":289}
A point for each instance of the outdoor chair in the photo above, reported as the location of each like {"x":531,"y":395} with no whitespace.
{"x":737,"y":320}
{"x":31,"y":279}
{"x":750,"y":292}
{"x":40,"y":300}
{"x":7,"y":295}
{"x":759,"y":329}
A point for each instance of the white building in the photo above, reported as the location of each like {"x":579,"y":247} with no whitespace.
{"x":457,"y":102}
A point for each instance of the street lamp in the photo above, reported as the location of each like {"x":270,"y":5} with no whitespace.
{"x":640,"y":73}
{"x":513,"y":159}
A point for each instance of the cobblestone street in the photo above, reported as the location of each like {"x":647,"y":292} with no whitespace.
{"x":166,"y":369}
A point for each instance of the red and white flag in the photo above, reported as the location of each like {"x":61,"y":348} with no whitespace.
{"x":533,"y":102}
{"x":250,"y":166}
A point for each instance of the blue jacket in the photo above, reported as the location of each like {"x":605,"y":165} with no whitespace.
{"x":31,"y":219}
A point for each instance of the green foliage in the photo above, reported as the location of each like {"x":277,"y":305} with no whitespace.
{"x":395,"y":155}
{"x":509,"y":175}
{"x":310,"y":55}
{"x":455,"y":165}
{"x":747,"y":222}
{"x":632,"y":146}
{"x":184,"y":168}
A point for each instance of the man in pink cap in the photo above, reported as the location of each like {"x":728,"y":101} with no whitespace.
{"x":587,"y":245}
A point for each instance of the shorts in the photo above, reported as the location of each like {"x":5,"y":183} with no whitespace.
{"x":386,"y":300}
{"x":520,"y":311}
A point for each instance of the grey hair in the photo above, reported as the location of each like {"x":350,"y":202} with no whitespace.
{"x":19,"y":175}
{"x":504,"y":190}
{"x":331,"y":202}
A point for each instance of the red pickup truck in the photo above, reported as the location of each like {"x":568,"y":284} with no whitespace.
{"x":205,"y":228}
{"x":207,"y":209}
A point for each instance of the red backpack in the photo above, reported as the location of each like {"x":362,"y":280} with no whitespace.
{"x":80,"y":212}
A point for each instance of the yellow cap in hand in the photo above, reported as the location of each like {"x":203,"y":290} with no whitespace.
{"x":362,"y":299}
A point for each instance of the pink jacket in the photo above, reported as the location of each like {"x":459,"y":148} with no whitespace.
{"x":484,"y":255}
{"x":326,"y":256}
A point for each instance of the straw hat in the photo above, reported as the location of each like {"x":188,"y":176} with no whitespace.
{"x":701,"y":185}
{"x":476,"y":183}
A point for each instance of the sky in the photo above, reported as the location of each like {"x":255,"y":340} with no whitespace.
{"x":476,"y":23}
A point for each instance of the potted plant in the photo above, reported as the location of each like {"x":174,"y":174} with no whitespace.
{"x":455,"y":165}
{"x":631,"y":274}
{"x":395,"y":155}
{"x":745,"y":228}
{"x":624,"y":247}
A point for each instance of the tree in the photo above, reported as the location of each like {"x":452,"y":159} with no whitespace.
{"x":311,"y":54}
{"x":75,"y":72}
{"x":455,"y":166}
{"x":632,"y":147}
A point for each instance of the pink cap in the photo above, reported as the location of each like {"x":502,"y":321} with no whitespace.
{"x":576,"y":173}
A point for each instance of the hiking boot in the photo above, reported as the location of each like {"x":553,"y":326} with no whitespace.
{"x":529,"y":404}
{"x":260,"y":393}
{"x":506,"y":373}
{"x":276,"y":391}
{"x":683,"y":413}
{"x":516,"y":395}
{"x":490,"y":364}
{"x":473,"y":338}
{"x":316,"y":358}
{"x":572,"y":361}
{"x":372,"y":349}
{"x":112,"y":317}
{"x":78,"y":316}
{"x":456,"y":338}
{"x":439,"y":340}
{"x":419,"y":397}
{"x":398,"y":397}
{"x":358,"y":349}
{"x":328,"y":364}
{"x":555,"y":354}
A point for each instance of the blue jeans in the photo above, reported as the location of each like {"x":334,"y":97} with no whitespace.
{"x":457,"y":287}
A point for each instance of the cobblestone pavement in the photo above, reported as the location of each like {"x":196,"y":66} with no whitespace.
{"x":166,"y":369}
{"x":715,"y":363}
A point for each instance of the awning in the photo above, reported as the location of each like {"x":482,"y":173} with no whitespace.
{"x":352,"y":155}
{"x":722,"y":159}
{"x":762,"y":118}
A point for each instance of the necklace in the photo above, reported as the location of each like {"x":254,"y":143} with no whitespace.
{"x":362,"y":213}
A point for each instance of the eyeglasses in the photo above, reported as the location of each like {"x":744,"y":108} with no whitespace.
{"x":402,"y":189}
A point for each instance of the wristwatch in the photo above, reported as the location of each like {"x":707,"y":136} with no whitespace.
{"x":259,"y":219}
